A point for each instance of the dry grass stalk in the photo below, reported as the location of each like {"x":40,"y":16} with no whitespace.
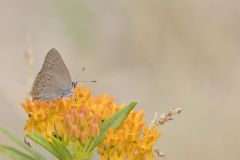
{"x":160,"y":120}
{"x":165,"y":117}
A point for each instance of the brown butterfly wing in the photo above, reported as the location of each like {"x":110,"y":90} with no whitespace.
{"x":53,"y":80}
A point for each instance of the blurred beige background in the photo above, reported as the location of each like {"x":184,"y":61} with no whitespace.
{"x":162,"y":53}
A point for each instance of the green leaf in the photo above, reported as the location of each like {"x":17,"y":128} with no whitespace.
{"x":113,"y":122}
{"x":21,"y":144}
{"x":16,"y":154}
{"x":60,"y":146}
{"x":39,"y":139}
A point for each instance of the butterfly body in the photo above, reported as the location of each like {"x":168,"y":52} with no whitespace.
{"x":54,"y":80}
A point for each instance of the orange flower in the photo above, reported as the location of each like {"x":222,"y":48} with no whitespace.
{"x":133,"y":140}
{"x":66,"y":118}
{"x":77,"y":119}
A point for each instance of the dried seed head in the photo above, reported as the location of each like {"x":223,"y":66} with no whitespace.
{"x":165,"y":117}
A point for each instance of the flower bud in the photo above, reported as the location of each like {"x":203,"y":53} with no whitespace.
{"x":94,"y":130}
{"x":81,"y":119}
{"x":68,"y":120}
{"x":84,"y":136}
{"x":74,"y":131}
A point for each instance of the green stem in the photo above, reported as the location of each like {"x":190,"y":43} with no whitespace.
{"x":83,"y":156}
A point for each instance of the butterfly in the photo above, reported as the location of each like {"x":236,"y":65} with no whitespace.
{"x":54,"y":80}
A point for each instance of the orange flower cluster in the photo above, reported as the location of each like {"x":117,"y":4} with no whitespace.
{"x":68,"y":119}
{"x":79,"y":117}
{"x":133,"y":140}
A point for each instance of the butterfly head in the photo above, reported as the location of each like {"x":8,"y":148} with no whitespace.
{"x":74,"y":84}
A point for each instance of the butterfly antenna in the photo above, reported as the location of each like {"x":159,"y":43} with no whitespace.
{"x":88,"y":81}
{"x":82,"y":70}
{"x":84,"y":81}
